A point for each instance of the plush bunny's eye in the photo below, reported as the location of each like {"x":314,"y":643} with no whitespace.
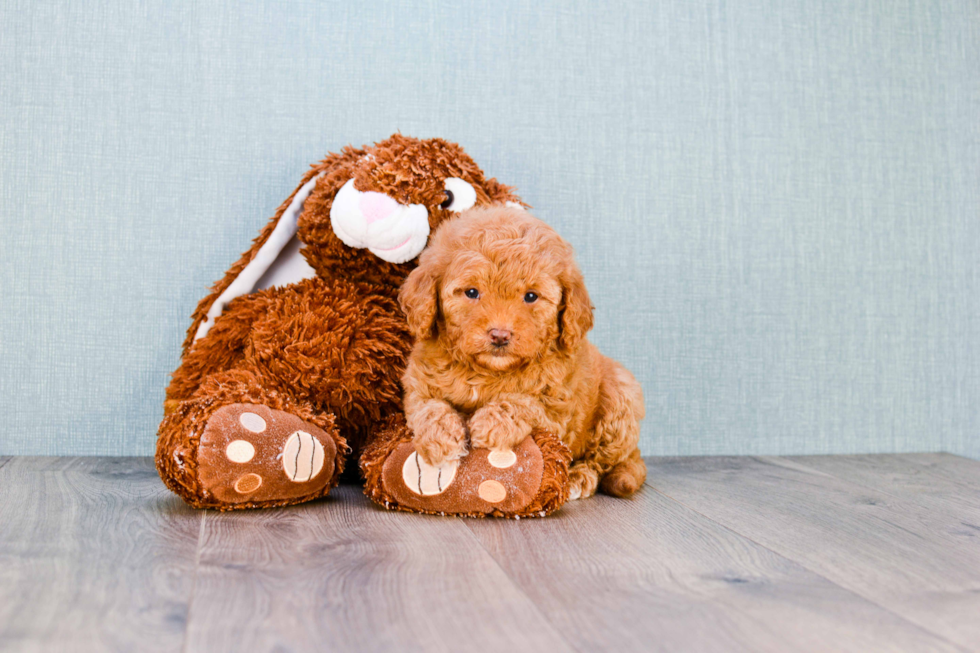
{"x":460,"y":195}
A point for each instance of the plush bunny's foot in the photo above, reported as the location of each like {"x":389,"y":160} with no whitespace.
{"x":237,"y":444}
{"x":251,"y":454}
{"x":530,"y":480}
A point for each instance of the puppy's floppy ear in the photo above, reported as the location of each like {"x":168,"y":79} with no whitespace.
{"x":575,"y":312}
{"x":418,"y":298}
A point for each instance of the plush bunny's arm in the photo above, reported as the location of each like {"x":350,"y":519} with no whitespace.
{"x":221,"y":350}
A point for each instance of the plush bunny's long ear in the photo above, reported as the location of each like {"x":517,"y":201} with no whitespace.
{"x":277,"y":262}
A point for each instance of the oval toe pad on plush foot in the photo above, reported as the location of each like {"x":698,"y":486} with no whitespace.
{"x":252,"y":454}
{"x":484,"y":481}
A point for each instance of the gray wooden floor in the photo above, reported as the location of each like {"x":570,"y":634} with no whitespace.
{"x":855,"y":553}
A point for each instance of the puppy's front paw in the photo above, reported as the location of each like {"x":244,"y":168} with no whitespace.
{"x":582,"y":482}
{"x":437,"y":449}
{"x":440,"y":436}
{"x":492,"y":427}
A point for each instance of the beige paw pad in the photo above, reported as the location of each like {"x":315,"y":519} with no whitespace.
{"x":252,"y":422}
{"x":422,"y":478}
{"x":302,"y":457}
{"x":492,"y":491}
{"x":248,"y":483}
{"x":240,"y":451}
{"x":502,"y":458}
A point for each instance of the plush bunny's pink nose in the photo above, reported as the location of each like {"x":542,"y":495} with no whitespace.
{"x":376,"y":206}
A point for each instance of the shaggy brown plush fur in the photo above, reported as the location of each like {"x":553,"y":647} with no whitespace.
{"x":329,"y":350}
{"x":500,"y":311}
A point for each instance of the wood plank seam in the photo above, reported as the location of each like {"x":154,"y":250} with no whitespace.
{"x":851,"y":479}
{"x":909,"y":499}
{"x":810,"y":570}
{"x":97,"y":554}
{"x":519,"y":589}
{"x":924,"y":465}
{"x":197,"y":572}
{"x":882,"y":485}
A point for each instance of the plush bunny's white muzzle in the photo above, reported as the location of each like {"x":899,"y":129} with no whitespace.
{"x":367,"y":220}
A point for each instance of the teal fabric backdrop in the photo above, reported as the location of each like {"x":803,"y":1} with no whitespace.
{"x":775,"y":202}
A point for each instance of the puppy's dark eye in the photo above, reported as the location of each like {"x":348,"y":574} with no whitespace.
{"x":472,"y":293}
{"x":530,"y":297}
{"x":448,"y":201}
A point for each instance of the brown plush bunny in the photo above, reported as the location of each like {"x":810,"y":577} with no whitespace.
{"x":294,"y":359}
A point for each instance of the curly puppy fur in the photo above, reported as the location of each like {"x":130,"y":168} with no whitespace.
{"x":500,"y":312}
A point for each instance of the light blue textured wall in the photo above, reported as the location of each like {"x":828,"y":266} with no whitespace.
{"x":776,"y":202}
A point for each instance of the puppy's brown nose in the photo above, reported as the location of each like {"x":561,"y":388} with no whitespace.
{"x":500,"y":337}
